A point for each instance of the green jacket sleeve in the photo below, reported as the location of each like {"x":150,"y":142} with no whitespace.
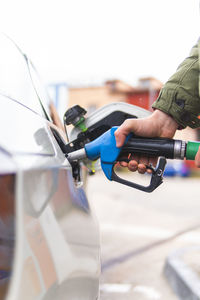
{"x":179,"y":96}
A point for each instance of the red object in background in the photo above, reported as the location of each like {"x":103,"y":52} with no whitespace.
{"x":190,"y":164}
{"x":143,"y":99}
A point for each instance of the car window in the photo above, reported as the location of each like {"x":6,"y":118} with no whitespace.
{"x":15,"y":80}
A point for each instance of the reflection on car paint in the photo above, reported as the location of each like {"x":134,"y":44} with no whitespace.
{"x":31,"y":279}
{"x":42,"y":139}
{"x":38,"y":244}
{"x":52,"y":257}
{"x":39,"y":187}
{"x":4,"y":274}
{"x":7,"y":230}
{"x":78,"y":195}
{"x":68,"y":193}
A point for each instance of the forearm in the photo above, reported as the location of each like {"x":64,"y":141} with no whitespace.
{"x":180,"y":95}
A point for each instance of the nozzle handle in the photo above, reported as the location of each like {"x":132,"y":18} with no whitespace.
{"x":151,"y":147}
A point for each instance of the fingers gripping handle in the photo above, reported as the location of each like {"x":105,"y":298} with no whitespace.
{"x":156,"y":178}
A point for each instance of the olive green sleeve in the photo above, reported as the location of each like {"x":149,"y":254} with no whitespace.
{"x":179,"y":97}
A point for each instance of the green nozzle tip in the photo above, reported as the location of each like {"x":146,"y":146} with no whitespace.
{"x":81,"y":125}
{"x":191,"y":151}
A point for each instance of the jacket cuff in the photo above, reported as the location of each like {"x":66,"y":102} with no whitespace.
{"x":178,"y":106}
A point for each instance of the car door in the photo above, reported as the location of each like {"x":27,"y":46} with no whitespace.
{"x":49,"y":231}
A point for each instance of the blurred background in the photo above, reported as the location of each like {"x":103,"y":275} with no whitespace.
{"x":88,"y":42}
{"x":107,"y":46}
{"x":95,"y":52}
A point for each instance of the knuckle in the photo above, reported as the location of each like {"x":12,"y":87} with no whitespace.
{"x":141,"y":171}
{"x":128,"y":122}
{"x":132,"y":169}
{"x":117,"y":132}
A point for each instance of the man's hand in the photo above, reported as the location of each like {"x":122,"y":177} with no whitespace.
{"x":159,"y":124}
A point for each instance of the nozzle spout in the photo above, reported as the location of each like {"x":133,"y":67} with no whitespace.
{"x":76,"y":155}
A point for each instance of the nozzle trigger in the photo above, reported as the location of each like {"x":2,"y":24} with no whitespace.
{"x":156,"y":177}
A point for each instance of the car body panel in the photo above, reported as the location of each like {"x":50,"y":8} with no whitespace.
{"x":22,"y":130}
{"x":49,"y":236}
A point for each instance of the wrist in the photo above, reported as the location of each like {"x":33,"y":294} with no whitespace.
{"x":167,"y":125}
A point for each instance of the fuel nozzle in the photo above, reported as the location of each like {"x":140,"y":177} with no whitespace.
{"x":104,"y":147}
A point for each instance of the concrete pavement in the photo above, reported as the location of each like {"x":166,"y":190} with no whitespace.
{"x":139,"y":231}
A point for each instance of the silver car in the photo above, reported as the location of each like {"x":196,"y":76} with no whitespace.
{"x":49,"y":237}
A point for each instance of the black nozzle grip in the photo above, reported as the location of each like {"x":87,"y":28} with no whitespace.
{"x":151,"y":147}
{"x":156,"y":178}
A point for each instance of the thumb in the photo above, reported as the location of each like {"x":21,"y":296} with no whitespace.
{"x":120,"y":138}
{"x":122,"y":132}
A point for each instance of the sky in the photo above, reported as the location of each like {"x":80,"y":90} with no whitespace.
{"x":90,"y":41}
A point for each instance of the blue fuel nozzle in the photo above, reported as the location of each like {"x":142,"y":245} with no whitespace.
{"x":104,"y":147}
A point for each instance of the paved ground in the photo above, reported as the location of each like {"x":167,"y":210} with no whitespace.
{"x":140,"y":230}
